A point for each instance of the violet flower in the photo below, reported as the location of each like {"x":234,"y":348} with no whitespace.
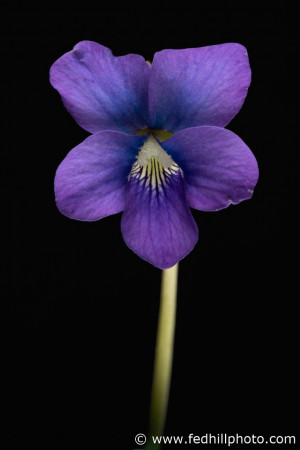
{"x":126,"y":165}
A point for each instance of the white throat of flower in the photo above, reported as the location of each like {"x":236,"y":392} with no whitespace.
{"x":152,"y":149}
{"x":153,"y":165}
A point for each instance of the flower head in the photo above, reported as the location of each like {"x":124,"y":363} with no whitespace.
{"x":127,"y":164}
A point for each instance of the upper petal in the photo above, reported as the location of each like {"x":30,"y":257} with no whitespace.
{"x":90,"y":182}
{"x":219,"y":168}
{"x":101,"y":91}
{"x":157,"y":223}
{"x":197,"y":86}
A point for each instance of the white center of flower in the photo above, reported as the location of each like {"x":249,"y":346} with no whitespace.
{"x":152,"y":149}
{"x":153,"y":166}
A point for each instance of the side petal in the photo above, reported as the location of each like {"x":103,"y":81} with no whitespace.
{"x":157,"y":223}
{"x":219,"y":168}
{"x":197,"y":86}
{"x":101,"y":91}
{"x":90,"y":183}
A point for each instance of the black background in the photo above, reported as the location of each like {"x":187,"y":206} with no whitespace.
{"x":79,"y":310}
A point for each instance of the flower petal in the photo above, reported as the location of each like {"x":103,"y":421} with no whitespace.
{"x":219,"y":168}
{"x":90,"y":183}
{"x":157,"y":223}
{"x":101,"y":91}
{"x":197,"y":86}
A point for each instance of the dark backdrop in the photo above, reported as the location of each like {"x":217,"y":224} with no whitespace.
{"x":79,"y":310}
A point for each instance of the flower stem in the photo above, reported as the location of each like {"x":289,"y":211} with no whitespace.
{"x":163,"y":355}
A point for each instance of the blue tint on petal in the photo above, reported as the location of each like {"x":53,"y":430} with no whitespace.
{"x":197,"y":86}
{"x":90,"y":183}
{"x":219,"y":168}
{"x":157,"y":223}
{"x":101,"y":91}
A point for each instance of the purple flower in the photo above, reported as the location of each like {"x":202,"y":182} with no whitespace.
{"x":126,"y":165}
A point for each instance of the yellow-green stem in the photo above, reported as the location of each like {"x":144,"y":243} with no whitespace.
{"x":163,"y":355}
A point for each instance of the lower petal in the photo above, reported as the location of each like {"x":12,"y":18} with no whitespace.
{"x":157,"y":223}
{"x":219,"y":168}
{"x":90,"y":183}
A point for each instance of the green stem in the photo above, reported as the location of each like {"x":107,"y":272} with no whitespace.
{"x":163,"y":355}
